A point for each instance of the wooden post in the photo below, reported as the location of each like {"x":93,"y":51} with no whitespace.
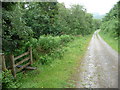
{"x":13,"y":65}
{"x":30,"y":50}
{"x":3,"y":63}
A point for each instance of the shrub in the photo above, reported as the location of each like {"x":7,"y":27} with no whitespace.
{"x":45,"y":59}
{"x":8,"y":80}
{"x":65,"y":39}
{"x":48,"y":43}
{"x":31,"y":43}
{"x":47,"y":48}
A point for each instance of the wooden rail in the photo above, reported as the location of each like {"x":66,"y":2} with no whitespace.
{"x":26,"y":53}
{"x":26,"y":59}
{"x":13,"y":59}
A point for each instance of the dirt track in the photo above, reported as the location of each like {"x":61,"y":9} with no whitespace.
{"x":99,"y":68}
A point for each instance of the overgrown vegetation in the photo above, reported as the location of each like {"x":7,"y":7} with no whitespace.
{"x":49,"y":46}
{"x":110,"y":28}
{"x":58,"y":73}
{"x":23,"y":21}
{"x":48,"y":27}
{"x":111,"y":41}
{"x":8,"y":80}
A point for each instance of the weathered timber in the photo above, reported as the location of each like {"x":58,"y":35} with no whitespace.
{"x":26,"y":53}
{"x":3,"y":63}
{"x":20,"y":67}
{"x":13,"y":65}
{"x":23,"y":67}
{"x":28,"y":67}
{"x":26,"y":59}
{"x":30,"y":50}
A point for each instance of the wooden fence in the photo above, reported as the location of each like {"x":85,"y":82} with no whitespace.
{"x":14,"y":65}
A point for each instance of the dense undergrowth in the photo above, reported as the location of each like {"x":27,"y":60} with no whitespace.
{"x":110,"y":27}
{"x":56,"y":74}
{"x":49,"y":46}
{"x":45,"y":50}
{"x":50,"y":29}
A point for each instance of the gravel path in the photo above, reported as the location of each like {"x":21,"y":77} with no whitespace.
{"x":99,"y":68}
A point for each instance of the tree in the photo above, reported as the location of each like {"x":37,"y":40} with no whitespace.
{"x":15,"y":32}
{"x":40,"y":16}
{"x":110,"y":22}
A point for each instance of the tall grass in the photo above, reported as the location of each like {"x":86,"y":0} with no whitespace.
{"x":112,"y":41}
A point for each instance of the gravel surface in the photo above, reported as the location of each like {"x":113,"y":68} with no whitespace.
{"x":99,"y":68}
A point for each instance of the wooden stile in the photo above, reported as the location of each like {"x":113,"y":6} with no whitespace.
{"x":13,"y":59}
{"x":16,"y":65}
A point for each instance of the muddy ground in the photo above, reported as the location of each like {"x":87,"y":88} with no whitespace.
{"x":99,"y":68}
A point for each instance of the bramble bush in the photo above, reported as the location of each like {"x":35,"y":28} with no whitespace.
{"x":48,"y":43}
{"x":47,"y":47}
{"x":65,"y":39}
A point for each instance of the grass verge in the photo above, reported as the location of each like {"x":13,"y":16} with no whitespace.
{"x":113,"y":42}
{"x":59,"y":72}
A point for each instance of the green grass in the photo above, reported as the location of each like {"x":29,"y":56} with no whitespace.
{"x":60,"y":71}
{"x":113,"y":42}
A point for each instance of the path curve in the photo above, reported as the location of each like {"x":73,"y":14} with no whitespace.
{"x":99,"y":68}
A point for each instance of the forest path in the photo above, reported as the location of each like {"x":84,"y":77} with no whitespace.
{"x":99,"y":68}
